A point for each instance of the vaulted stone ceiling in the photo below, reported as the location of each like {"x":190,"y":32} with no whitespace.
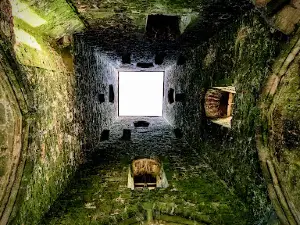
{"x":220,"y":43}
{"x":118,"y":28}
{"x":66,"y":17}
{"x":98,"y":12}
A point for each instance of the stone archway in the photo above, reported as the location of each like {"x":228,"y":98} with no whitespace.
{"x":219,"y":105}
{"x":13,"y":138}
{"x":278,"y":138}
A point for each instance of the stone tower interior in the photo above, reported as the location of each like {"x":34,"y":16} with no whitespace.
{"x":226,"y":149}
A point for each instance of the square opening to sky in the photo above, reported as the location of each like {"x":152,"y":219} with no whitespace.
{"x":140,"y":93}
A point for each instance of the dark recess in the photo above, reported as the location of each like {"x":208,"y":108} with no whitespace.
{"x":159,"y":58}
{"x":178,"y":133}
{"x":111,"y":93}
{"x":171,"y":95}
{"x":104,"y":135}
{"x":144,"y":65}
{"x":216,"y":103}
{"x":181,"y":60}
{"x":101,"y":98}
{"x":126,"y":58}
{"x":162,"y":27}
{"x":180,"y":97}
{"x":126,"y":135}
{"x":145,"y":180}
{"x":274,"y":6}
{"x":141,"y":123}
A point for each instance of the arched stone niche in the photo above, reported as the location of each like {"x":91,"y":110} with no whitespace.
{"x":11,"y":144}
{"x":219,"y":105}
{"x":146,"y":173}
{"x":278,"y":137}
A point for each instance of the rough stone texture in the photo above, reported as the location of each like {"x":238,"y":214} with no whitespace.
{"x":99,"y":13}
{"x":287,"y":18}
{"x":283,"y":15}
{"x":64,"y":114}
{"x":278,"y":137}
{"x":285,"y":142}
{"x":99,"y":193}
{"x":53,"y":145}
{"x":120,"y":34}
{"x":12,"y":124}
{"x":59,"y":16}
{"x":237,"y":56}
{"x":261,"y":3}
{"x":10,"y":142}
{"x":6,"y":20}
{"x":295,"y":3}
{"x":114,"y":43}
{"x":94,"y":74}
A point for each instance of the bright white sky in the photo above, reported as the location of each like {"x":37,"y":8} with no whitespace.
{"x":140,"y":93}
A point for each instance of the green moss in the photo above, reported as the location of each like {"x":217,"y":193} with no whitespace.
{"x":284,"y":119}
{"x":51,"y":160}
{"x":199,"y":196}
{"x":3,"y":169}
{"x":2,"y":114}
{"x":60,"y":17}
{"x":289,"y":94}
{"x":242,"y":51}
{"x":46,"y":57}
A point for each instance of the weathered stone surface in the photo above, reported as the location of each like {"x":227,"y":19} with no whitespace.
{"x":53,"y":152}
{"x":94,"y":76}
{"x":287,"y":18}
{"x":295,"y":3}
{"x":2,"y":114}
{"x":66,"y":114}
{"x":261,"y":3}
{"x":10,"y":141}
{"x":195,"y":193}
{"x":6,"y":20}
{"x":239,"y":59}
{"x":279,"y":148}
{"x":60,"y":18}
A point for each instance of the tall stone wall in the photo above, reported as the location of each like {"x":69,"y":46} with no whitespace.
{"x":237,"y":56}
{"x":38,"y":102}
{"x":278,"y":140}
{"x":13,"y":127}
{"x":100,"y":193}
{"x":94,"y":75}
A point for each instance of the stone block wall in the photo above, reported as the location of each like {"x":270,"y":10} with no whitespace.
{"x":6,"y":20}
{"x":94,"y":74}
{"x":100,"y":192}
{"x":11,"y":142}
{"x":237,"y":56}
{"x":278,"y":137}
{"x":13,"y":128}
{"x":38,"y":99}
{"x":283,"y":15}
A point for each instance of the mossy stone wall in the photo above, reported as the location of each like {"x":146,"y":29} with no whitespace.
{"x":278,"y":136}
{"x":99,"y":193}
{"x":53,"y":152}
{"x":238,"y":56}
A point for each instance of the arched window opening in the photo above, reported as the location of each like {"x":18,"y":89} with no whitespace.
{"x":219,"y":105}
{"x":146,"y":173}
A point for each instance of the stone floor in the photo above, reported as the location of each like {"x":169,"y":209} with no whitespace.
{"x":99,"y":195}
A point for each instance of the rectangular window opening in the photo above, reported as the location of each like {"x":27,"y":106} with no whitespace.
{"x":144,"y":181}
{"x":141,"y":93}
